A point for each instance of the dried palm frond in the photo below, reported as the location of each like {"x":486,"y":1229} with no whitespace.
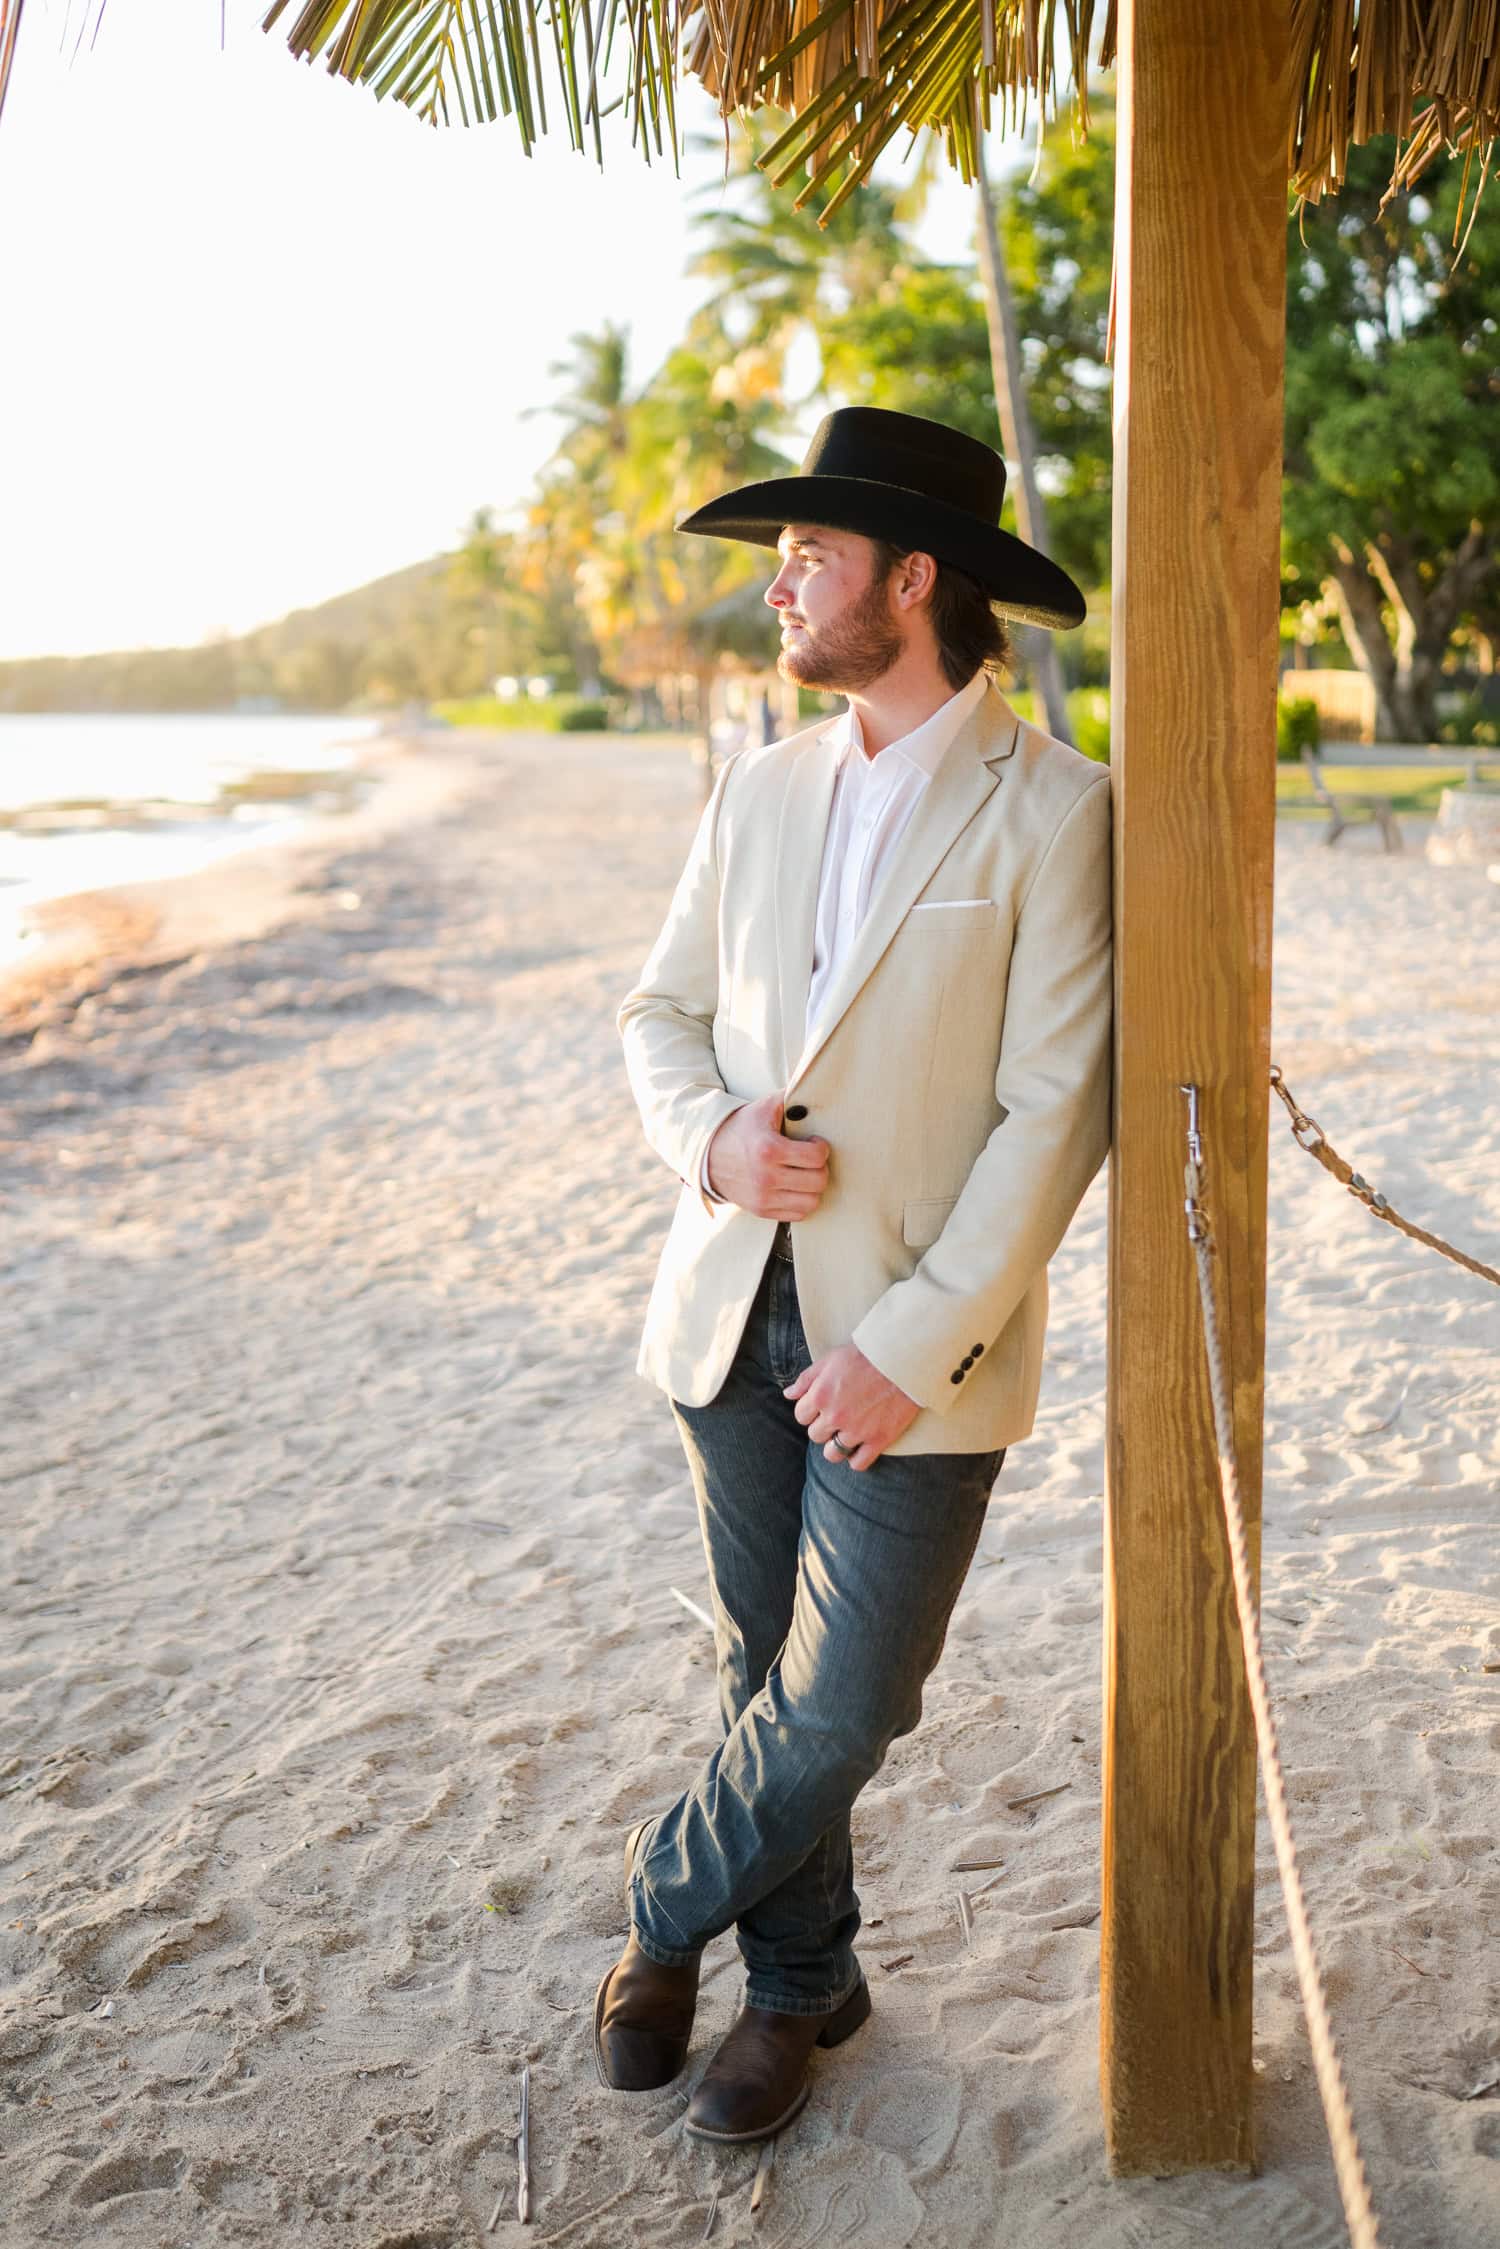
{"x":852,"y":74}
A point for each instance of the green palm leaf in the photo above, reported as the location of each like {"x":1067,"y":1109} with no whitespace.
{"x":476,"y":60}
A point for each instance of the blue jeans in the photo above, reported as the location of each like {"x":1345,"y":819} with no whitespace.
{"x":832,"y":1588}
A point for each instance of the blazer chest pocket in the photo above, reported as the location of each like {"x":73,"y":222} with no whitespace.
{"x":937,"y":914}
{"x":924,"y":1220}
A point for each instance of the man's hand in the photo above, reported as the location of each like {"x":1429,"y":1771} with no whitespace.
{"x":752,"y":1163}
{"x":842,"y":1395}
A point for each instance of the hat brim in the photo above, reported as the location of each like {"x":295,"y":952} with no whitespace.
{"x":1020,"y":580}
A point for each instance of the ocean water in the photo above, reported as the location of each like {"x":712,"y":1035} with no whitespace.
{"x":88,"y":802}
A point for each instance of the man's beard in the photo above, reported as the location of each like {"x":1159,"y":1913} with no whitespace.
{"x":852,"y":652}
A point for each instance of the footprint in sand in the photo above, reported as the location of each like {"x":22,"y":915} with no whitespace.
{"x":230,"y":2186}
{"x":913,"y":2113}
{"x":129,"y":2172}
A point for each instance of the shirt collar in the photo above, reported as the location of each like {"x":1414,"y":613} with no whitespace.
{"x":926,"y":745}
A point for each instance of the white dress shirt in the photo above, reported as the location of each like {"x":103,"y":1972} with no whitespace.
{"x":873,"y":800}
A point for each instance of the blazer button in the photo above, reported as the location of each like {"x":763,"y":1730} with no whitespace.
{"x":797,"y":1112}
{"x":958,"y":1377}
{"x":977,"y":1349}
{"x":969,"y":1361}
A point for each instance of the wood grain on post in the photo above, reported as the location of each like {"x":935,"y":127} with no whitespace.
{"x":1199,"y":319}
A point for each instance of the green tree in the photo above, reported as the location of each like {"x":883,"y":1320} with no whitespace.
{"x":1058,"y":238}
{"x":1392,"y":493}
{"x":892,"y":328}
{"x":1391,"y":497}
{"x":515,"y":614}
{"x":577,"y":493}
{"x":776,"y":270}
{"x":917,"y":344}
{"x":704,"y":422}
{"x":918,"y":341}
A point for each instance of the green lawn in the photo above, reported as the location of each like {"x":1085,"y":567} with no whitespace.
{"x":523,"y":714}
{"x":1411,"y":788}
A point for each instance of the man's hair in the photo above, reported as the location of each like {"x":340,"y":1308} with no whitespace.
{"x":969,"y":629}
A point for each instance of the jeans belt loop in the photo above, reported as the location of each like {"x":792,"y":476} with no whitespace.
{"x":781,"y":1241}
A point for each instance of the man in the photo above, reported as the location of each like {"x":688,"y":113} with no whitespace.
{"x":873,"y":1041}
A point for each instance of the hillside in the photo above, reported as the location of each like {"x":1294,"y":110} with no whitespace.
{"x":409,"y":636}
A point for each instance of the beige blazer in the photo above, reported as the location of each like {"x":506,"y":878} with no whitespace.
{"x":960,"y":1071}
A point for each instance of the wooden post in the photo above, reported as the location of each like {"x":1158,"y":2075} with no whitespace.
{"x":1199,"y":323}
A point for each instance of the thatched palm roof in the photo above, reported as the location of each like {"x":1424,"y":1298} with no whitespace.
{"x":854,"y":73}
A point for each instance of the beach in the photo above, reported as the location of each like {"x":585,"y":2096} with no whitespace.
{"x":99,"y":801}
{"x":341,"y":1644}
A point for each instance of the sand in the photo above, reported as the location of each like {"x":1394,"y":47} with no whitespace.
{"x":340,"y":1646}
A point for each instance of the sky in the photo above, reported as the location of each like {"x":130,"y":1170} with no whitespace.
{"x":268,"y":338}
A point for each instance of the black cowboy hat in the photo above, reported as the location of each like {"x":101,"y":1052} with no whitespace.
{"x":920,"y":484}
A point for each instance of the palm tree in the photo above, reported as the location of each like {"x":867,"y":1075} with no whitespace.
{"x":703,"y":422}
{"x":774,"y":260}
{"x":628,"y":463}
{"x":782,"y":270}
{"x":1039,"y":645}
{"x":592,"y":407}
{"x":576,"y":492}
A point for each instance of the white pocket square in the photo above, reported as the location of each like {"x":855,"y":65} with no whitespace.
{"x":936,"y":905}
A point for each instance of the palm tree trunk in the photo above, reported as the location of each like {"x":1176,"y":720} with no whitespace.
{"x":1038,"y":646}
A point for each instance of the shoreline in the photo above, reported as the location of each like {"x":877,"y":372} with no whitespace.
{"x":92,"y":936}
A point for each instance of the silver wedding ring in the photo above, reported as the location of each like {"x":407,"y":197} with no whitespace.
{"x":838,"y":1444}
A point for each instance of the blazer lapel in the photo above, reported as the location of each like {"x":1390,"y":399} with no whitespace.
{"x":969,"y":774}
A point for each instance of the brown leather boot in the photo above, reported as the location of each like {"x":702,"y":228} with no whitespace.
{"x":643,"y":2012}
{"x":758,"y":2080}
{"x":643,"y":2020}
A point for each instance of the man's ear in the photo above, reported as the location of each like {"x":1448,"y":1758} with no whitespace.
{"x":913,"y":578}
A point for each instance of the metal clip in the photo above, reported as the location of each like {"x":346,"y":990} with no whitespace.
{"x":1197,"y":1220}
{"x":1195,"y":1137}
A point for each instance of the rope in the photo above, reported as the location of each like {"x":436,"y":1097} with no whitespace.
{"x":1332,"y":1161}
{"x":1359,"y":2215}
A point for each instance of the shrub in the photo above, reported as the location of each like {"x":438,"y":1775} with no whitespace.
{"x":1470,"y":725}
{"x":1088,"y":716}
{"x":574,"y":716}
{"x":1297,"y":725}
{"x":525,"y":714}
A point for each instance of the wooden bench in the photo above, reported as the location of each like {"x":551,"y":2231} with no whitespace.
{"x":1438,"y":755}
{"x":1339,"y":807}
